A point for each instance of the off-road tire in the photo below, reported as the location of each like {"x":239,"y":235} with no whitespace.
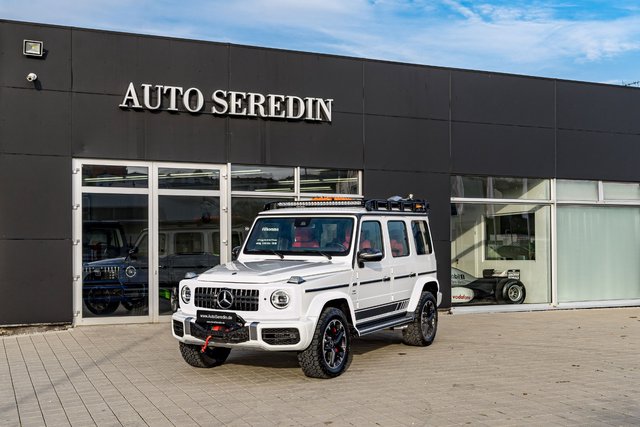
{"x":101,"y":301}
{"x":422,"y":331}
{"x":212,"y":357}
{"x":319,"y":359}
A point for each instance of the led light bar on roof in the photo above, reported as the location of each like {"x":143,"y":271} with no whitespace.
{"x":403,"y":205}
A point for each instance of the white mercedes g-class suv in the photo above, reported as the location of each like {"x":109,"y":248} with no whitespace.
{"x":309,"y":277}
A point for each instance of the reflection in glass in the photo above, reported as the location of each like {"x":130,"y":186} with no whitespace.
{"x":189,"y":179}
{"x":262,"y":178}
{"x":188,"y":242}
{"x":115,"y":176}
{"x":621,"y":191}
{"x":480,"y":187}
{"x":244,"y":210}
{"x":115,"y":269}
{"x":332,"y":181}
{"x":500,"y":253}
{"x":319,"y":236}
{"x":577,"y":190}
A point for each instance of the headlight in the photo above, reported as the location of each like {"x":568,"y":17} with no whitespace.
{"x":280,"y":299}
{"x":130,"y":271}
{"x":185,"y":294}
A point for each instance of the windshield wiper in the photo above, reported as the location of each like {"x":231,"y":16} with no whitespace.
{"x":312,"y":252}
{"x":277,"y":253}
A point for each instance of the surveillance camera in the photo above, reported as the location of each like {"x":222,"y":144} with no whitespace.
{"x":32,"y":77}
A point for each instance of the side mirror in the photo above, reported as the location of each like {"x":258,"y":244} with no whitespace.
{"x":132,"y":252}
{"x":235,"y":252}
{"x":369,"y":255}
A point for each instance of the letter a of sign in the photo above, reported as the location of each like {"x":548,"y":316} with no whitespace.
{"x":131,"y":96}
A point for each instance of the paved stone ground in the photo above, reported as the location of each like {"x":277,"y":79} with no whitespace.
{"x":578,"y":367}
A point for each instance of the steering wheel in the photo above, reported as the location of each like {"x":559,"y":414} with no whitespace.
{"x":337,"y":245}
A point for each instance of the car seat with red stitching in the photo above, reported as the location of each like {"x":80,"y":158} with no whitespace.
{"x":304,"y":238}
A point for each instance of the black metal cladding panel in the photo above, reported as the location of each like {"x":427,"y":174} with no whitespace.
{"x":106,"y":62}
{"x":269,"y":71}
{"x":336,"y":145}
{"x":598,"y":155}
{"x":36,"y":277}
{"x":243,"y":299}
{"x":433,"y":187}
{"x":502,"y":99}
{"x":443,"y":261}
{"x":185,"y":137}
{"x":53,"y":70}
{"x":101,"y":129}
{"x":584,"y":106}
{"x":406,"y":144}
{"x":36,"y":198}
{"x":406,"y":90}
{"x":35,"y":122}
{"x":478,"y":149}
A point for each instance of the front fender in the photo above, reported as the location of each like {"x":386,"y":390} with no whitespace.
{"x":319,"y":301}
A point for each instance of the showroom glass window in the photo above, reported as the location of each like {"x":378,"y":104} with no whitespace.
{"x":252,"y":187}
{"x":500,"y":234}
{"x":598,"y":241}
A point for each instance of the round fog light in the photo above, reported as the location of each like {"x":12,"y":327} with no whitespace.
{"x":280,"y":299}
{"x":185,"y":294}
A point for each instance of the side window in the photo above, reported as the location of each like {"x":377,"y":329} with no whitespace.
{"x":189,"y":243}
{"x":421,"y":236}
{"x":371,"y":236}
{"x":398,"y":238}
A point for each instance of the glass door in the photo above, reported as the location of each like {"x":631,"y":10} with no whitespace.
{"x":190,"y":228}
{"x":139,"y":228}
{"x":111,"y":257}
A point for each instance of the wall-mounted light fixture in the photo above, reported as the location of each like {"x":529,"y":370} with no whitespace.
{"x":32,"y":48}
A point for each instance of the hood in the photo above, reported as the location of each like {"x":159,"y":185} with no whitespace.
{"x":269,"y":271}
{"x":110,"y":262}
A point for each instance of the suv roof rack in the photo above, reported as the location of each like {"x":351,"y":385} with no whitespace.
{"x":399,"y":205}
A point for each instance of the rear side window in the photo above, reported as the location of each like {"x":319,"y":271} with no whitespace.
{"x":398,"y":238}
{"x":421,"y":236}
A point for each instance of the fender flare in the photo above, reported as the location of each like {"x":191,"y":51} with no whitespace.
{"x":417,"y":290}
{"x":320,"y":300}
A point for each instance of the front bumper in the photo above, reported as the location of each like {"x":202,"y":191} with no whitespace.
{"x":289,"y":335}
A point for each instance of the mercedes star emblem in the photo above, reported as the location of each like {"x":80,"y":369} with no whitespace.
{"x":225,"y":299}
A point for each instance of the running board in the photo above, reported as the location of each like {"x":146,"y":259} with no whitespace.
{"x":377,"y":325}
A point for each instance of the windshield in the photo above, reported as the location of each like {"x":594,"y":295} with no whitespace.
{"x":301,"y":235}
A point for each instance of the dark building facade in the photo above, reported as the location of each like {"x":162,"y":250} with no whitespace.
{"x":522,"y":173}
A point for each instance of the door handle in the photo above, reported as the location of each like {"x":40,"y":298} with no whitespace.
{"x":386,"y":278}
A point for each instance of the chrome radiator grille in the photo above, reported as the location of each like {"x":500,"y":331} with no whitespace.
{"x":101,"y":273}
{"x":242,"y":299}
